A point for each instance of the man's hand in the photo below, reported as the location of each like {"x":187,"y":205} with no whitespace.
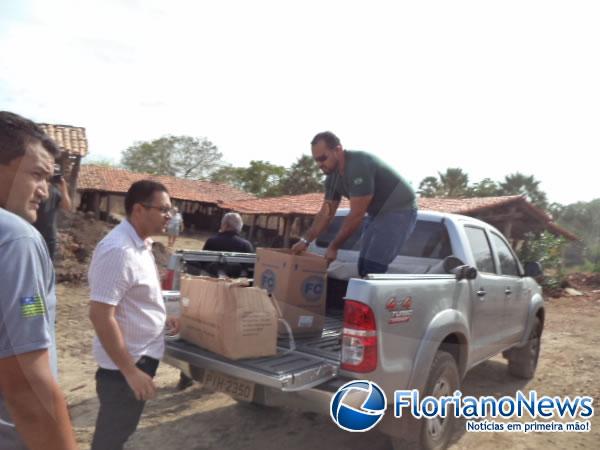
{"x":299,"y":247}
{"x":173,"y":325}
{"x":331,"y":254}
{"x":141,"y":384}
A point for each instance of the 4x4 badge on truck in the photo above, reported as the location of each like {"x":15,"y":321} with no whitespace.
{"x":405,"y":312}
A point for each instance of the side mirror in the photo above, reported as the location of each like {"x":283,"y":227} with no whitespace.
{"x":533,"y":269}
{"x":465,"y":272}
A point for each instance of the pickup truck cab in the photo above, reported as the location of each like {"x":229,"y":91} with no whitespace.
{"x":455,"y":296}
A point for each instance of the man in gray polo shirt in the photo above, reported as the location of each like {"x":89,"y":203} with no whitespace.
{"x":374,"y":189}
{"x":38,"y":417}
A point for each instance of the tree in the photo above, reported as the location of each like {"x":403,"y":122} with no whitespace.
{"x":583,"y":219}
{"x":260,"y":177}
{"x":180,"y":156}
{"x":519,"y":184}
{"x":303,"y":177}
{"x":453,"y":183}
{"x":485,"y":188}
{"x":429,"y":187}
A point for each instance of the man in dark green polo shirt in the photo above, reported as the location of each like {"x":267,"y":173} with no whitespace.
{"x":375,"y":189}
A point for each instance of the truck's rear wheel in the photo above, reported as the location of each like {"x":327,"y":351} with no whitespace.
{"x":435,"y":433}
{"x":522,"y":361}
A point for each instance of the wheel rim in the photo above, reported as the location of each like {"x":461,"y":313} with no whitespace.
{"x":437,"y":425}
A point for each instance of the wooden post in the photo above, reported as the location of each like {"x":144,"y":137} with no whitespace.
{"x":107,"y":207}
{"x":508,"y":224}
{"x":287,"y":228}
{"x":73,"y":176}
{"x":252,"y":227}
{"x":96,"y":204}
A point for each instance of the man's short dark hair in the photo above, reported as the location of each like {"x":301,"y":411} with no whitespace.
{"x":142,"y":192}
{"x":330,"y":139}
{"x":16,"y":133}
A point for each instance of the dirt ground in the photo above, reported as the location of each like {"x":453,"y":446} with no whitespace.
{"x":199,"y":419}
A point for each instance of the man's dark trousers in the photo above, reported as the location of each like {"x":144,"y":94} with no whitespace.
{"x":120,"y":411}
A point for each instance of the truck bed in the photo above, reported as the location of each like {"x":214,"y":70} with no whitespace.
{"x":316,"y":359}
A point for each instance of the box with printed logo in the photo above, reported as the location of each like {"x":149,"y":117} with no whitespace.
{"x":298,"y":283}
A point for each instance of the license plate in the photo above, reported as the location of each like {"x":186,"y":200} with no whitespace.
{"x":236,"y":388}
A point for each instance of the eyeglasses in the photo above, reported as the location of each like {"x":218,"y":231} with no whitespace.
{"x":321,"y":158}
{"x":163,"y":209}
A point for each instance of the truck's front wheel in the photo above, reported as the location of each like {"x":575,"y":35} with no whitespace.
{"x":435,"y":433}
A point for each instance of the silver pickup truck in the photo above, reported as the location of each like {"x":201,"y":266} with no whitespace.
{"x":455,"y":296}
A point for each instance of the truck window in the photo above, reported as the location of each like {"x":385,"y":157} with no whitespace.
{"x":428,"y":240}
{"x":482,"y":252}
{"x":508,"y":263}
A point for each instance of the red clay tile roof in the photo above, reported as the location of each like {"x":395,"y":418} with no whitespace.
{"x":114,"y":180}
{"x":309,"y":204}
{"x":68,"y":138}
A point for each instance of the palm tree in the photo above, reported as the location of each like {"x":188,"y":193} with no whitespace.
{"x":519,"y":184}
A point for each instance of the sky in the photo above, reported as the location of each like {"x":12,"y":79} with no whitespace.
{"x":491,"y":87}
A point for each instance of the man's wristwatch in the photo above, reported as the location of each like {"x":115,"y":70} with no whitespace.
{"x":305,"y":241}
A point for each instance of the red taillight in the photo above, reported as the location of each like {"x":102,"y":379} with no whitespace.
{"x":167,"y":283}
{"x":359,"y":339}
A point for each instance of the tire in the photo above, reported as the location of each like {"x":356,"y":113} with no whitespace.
{"x":435,"y":433}
{"x":522,"y":361}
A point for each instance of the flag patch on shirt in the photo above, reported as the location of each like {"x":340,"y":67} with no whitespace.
{"x":33,"y":306}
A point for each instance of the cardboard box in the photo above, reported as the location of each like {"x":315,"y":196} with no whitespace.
{"x":298,"y":283}
{"x":228,"y":317}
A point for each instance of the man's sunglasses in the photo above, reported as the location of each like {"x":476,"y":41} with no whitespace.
{"x":162,"y":209}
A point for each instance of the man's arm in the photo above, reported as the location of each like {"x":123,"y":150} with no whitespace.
{"x":103,"y":318}
{"x":35,"y":401}
{"x":321,"y":221}
{"x":65,"y":202}
{"x":358,"y":209}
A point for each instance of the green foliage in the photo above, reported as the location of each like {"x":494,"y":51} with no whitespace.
{"x":180,"y":156}
{"x":519,"y":184}
{"x":583,"y":219}
{"x":259,"y":178}
{"x":453,"y":183}
{"x":268,"y":180}
{"x":485,"y":188}
{"x":303,"y":177}
{"x":547,"y":249}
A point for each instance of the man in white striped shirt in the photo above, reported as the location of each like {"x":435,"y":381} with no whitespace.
{"x":128,"y":314}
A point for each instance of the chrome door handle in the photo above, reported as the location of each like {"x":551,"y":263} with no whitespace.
{"x":481,"y":292}
{"x":507,"y":291}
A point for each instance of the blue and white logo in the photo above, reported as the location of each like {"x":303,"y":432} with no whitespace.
{"x":312,"y":288}
{"x":358,"y":406}
{"x":268,"y":280}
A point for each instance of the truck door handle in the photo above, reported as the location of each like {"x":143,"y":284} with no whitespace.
{"x":507,"y":291}
{"x":481,"y":293}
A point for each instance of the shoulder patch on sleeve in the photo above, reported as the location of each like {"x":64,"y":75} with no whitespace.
{"x":33,"y":306}
{"x":357,"y":181}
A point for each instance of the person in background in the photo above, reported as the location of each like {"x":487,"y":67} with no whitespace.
{"x":128,"y":313}
{"x":58,"y":197}
{"x":227,"y":240}
{"x":33,"y":410}
{"x":174,"y":227}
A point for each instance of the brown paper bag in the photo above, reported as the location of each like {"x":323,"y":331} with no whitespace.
{"x":228,"y":317}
